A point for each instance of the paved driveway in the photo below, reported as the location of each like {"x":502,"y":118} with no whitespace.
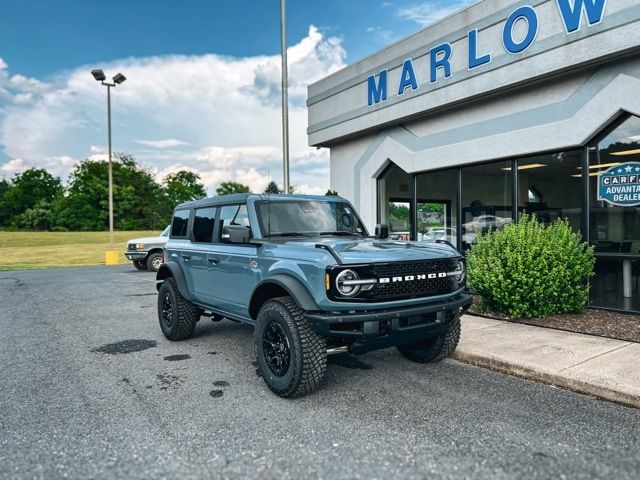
{"x":90,"y":388}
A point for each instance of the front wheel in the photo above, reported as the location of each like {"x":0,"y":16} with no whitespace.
{"x":436,"y":348}
{"x":154,"y":261}
{"x":291,"y":356}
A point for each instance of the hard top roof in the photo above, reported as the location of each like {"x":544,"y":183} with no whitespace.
{"x":243,"y":197}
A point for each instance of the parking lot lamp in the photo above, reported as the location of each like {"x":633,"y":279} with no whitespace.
{"x":111,"y":257}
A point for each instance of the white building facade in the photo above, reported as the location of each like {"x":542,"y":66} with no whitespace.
{"x":504,"y":108}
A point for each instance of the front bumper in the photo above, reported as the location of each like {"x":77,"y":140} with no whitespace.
{"x":365,"y":331}
{"x":135,"y":255}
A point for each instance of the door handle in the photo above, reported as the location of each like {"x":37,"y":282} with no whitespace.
{"x":186,"y":257}
{"x":213,"y":260}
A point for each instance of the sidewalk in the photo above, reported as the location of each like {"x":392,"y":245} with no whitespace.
{"x":605,"y":368}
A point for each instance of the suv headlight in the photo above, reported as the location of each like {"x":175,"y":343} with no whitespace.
{"x":344,"y":283}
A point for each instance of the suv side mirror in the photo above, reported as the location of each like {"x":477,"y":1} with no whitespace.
{"x":382,"y":231}
{"x":236,"y":234}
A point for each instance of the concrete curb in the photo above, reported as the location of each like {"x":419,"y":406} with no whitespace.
{"x":557,"y":379}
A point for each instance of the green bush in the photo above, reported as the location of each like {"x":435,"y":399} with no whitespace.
{"x":531,"y":270}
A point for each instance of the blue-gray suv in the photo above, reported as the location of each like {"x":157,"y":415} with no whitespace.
{"x":305,"y":272}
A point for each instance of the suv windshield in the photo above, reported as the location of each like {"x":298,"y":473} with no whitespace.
{"x":308,"y":218}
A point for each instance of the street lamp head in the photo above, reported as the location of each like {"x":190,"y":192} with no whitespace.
{"x":98,"y":75}
{"x":119,"y":78}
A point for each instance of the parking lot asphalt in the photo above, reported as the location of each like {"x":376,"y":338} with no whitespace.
{"x":91,"y":388}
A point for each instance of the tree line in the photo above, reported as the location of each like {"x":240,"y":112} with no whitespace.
{"x":37,"y":200}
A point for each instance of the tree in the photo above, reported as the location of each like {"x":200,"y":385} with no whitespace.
{"x":272,"y":188}
{"x":228,"y":188}
{"x":331,"y":193}
{"x":4,"y":209}
{"x":28,"y":189}
{"x":139,"y":202}
{"x":183,"y":186}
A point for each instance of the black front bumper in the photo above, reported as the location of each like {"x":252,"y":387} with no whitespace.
{"x":370,"y":330}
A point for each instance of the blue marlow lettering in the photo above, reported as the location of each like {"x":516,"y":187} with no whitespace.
{"x":443,"y":61}
{"x":377,"y":92}
{"x":572,"y":14}
{"x":407,"y":77}
{"x":528,"y":14}
{"x":474,"y":60}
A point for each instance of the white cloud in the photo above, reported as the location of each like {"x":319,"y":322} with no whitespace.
{"x":168,"y":143}
{"x":13,"y":166}
{"x":427,"y":13}
{"x":219,"y":116}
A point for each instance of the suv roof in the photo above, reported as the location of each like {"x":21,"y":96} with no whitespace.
{"x":243,"y":197}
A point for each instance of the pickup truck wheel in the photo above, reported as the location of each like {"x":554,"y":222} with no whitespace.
{"x":177,"y":315}
{"x":154,"y":261}
{"x":436,"y":348}
{"x":291,"y":357}
{"x":139,"y":265}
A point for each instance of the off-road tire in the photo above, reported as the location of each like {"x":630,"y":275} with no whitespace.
{"x":139,"y":265}
{"x":436,"y":348}
{"x":152,"y":261}
{"x":184,"y":314}
{"x":308,"y":351}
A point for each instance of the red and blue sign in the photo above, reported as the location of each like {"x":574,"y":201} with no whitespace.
{"x":620,"y":185}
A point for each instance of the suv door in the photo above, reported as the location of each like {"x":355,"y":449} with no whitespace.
{"x":177,"y":249}
{"x":230,"y":277}
{"x":202,"y":249}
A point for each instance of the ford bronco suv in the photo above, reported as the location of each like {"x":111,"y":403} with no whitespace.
{"x":305,"y":272}
{"x":146,"y":253}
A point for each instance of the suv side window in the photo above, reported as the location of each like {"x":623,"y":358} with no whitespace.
{"x":179,"y":224}
{"x":203,"y":222}
{"x":232,"y":215}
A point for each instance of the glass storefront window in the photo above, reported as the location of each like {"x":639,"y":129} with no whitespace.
{"x":395,"y":208}
{"x":615,"y":230}
{"x":550,"y":187}
{"x":486,"y":199}
{"x":437,"y":205}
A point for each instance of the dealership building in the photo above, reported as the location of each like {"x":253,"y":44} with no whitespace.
{"x":504,"y":108}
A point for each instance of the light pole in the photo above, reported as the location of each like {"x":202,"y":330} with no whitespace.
{"x":111,"y":257}
{"x":285,"y":95}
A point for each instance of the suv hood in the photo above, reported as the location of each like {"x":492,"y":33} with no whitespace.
{"x":355,"y":251}
{"x":149,"y":240}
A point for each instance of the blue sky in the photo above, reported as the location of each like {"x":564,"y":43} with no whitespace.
{"x":203,"y":79}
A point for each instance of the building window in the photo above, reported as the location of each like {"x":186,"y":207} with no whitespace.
{"x":437,"y":205}
{"x":486,"y":199}
{"x":550,"y":187}
{"x":615,"y":230}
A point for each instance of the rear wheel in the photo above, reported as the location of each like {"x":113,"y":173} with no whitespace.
{"x":177,"y":315}
{"x":140,"y":265}
{"x":154,"y":261}
{"x":291,"y":356}
{"x":436,"y":348}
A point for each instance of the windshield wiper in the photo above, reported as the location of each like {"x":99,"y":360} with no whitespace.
{"x":341,"y":233}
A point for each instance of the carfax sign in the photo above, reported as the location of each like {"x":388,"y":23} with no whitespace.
{"x":620,"y":185}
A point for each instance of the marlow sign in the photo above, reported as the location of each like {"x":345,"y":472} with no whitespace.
{"x":620,"y":185}
{"x":571,"y":12}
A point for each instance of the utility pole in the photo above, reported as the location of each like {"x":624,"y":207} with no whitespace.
{"x":285,"y":95}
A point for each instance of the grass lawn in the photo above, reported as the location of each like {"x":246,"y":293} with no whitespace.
{"x":24,"y":250}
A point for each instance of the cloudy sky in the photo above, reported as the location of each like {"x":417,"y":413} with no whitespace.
{"x":203,"y":80}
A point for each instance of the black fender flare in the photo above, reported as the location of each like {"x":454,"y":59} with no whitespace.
{"x":292,"y":286}
{"x":173,"y":269}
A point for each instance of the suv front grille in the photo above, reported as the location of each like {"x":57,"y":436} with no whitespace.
{"x":413,"y":288}
{"x":398,"y":287}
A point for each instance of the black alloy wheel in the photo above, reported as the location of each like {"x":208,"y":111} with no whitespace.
{"x":167,"y":310}
{"x":276,"y":348}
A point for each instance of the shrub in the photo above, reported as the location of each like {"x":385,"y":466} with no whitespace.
{"x":531,"y":270}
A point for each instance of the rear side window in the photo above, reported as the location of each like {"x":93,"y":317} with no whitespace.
{"x":203,"y":221}
{"x":179,"y":223}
